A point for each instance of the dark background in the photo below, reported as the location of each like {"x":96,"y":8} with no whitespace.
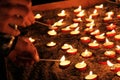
{"x":37,"y":2}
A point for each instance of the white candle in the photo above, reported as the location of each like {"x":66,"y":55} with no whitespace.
{"x":81,"y":66}
{"x":52,"y":32}
{"x":91,"y":76}
{"x":86,"y":54}
{"x":50,"y":44}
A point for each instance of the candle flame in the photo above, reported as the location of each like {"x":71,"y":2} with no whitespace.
{"x":96,"y":31}
{"x":71,"y":47}
{"x":95,"y":11}
{"x":82,"y":62}
{"x":62,"y":58}
{"x":77,"y":29}
{"x":79,"y":8}
{"x":109,"y":63}
{"x":94,"y":41}
{"x":117,"y":46}
{"x":90,"y":17}
{"x":107,"y":40}
{"x":113,"y":31}
{"x":58,"y":23}
{"x":102,"y":34}
{"x":90,"y":73}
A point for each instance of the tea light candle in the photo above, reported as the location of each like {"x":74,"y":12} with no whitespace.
{"x":85,"y":39}
{"x":115,"y":67}
{"x":111,"y":13}
{"x":111,"y":33}
{"x":86,"y":54}
{"x":64,"y":63}
{"x":100,"y":37}
{"x":117,"y":37}
{"x":118,"y":59}
{"x":117,"y":49}
{"x":81,"y":66}
{"x":59,"y":23}
{"x":75,"y":32}
{"x":90,"y":24}
{"x":96,"y":32}
{"x":111,"y":26}
{"x":99,"y":6}
{"x":95,"y":13}
{"x":37,"y":16}
{"x":110,"y":54}
{"x":118,"y":73}
{"x":31,"y":39}
{"x":94,"y":45}
{"x":62,"y":14}
{"x":108,"y":18}
{"x":89,"y":30}
{"x":77,"y":20}
{"x":74,"y":25}
{"x":66,"y":29}
{"x":66,"y":46}
{"x":78,"y":9}
{"x":53,"y":27}
{"x":108,"y":44}
{"x":72,"y":50}
{"x":91,"y":76}
{"x":51,"y":44}
{"x":52,"y":32}
{"x":81,"y":14}
{"x":89,"y":19}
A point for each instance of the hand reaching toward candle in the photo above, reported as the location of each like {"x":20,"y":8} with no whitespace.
{"x":15,"y":12}
{"x":24,"y":54}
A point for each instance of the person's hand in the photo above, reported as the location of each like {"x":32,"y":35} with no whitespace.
{"x":15,"y":12}
{"x":24,"y":54}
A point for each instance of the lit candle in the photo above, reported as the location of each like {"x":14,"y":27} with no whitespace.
{"x":118,"y":59}
{"x":118,"y":73}
{"x":75,"y":32}
{"x":81,"y":14}
{"x":66,"y":46}
{"x":94,"y":45}
{"x":37,"y":16}
{"x":96,"y":32}
{"x":85,"y":39}
{"x":108,"y":18}
{"x":72,"y":50}
{"x":74,"y":25}
{"x":62,"y":14}
{"x":90,"y":24}
{"x":77,"y":20}
{"x":117,"y":37}
{"x":58,"y":23}
{"x":114,"y":67}
{"x":99,"y":6}
{"x":89,"y":30}
{"x":78,"y":9}
{"x":108,"y":44}
{"x":64,"y":63}
{"x":51,"y":44}
{"x":117,"y":49}
{"x":31,"y":39}
{"x":95,"y":13}
{"x":66,"y":29}
{"x":81,"y":66}
{"x":91,"y":76}
{"x":89,"y":19}
{"x":86,"y":54}
{"x":110,"y":54}
{"x":100,"y":37}
{"x":111,"y":33}
{"x":52,"y":32}
{"x":111,"y":26}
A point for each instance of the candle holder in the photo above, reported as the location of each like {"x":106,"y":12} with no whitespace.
{"x":110,"y":54}
{"x":81,"y":66}
{"x":117,"y":37}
